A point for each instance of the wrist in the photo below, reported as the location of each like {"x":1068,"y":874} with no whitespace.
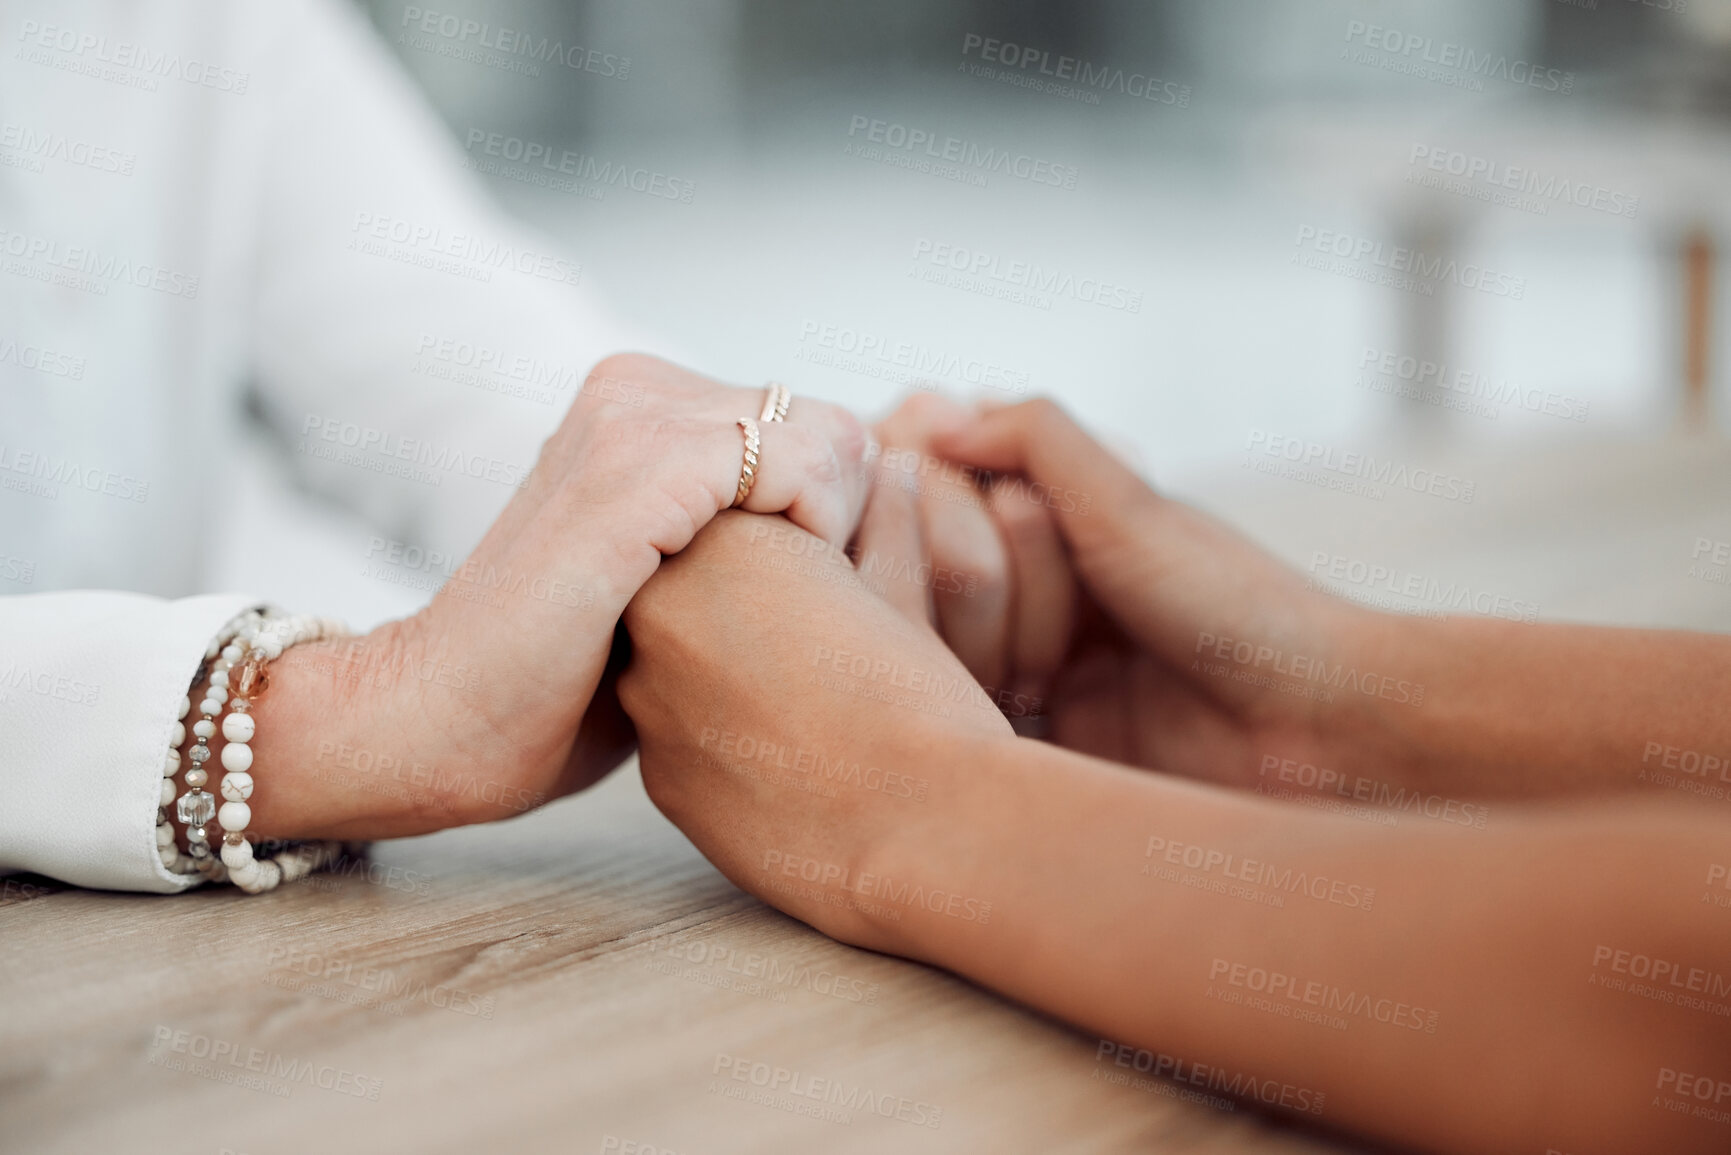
{"x":340,"y":747}
{"x":928,"y":887}
{"x":1374,"y":725}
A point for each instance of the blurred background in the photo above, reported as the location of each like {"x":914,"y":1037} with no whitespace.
{"x":1481,"y":239}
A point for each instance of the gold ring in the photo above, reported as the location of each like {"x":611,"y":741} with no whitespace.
{"x":748,"y":470}
{"x":776,"y":403}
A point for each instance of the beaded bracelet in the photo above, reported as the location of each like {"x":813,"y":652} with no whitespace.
{"x":251,"y":641}
{"x":170,"y":854}
{"x":254,"y":874}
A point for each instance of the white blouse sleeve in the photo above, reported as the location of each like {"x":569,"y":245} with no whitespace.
{"x":90,"y":688}
{"x":413,"y":345}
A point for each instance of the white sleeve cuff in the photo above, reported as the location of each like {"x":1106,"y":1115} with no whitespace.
{"x":90,"y":689}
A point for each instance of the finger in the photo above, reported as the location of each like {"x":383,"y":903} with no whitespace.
{"x":1089,"y":491}
{"x":920,"y":418}
{"x":974,"y":612}
{"x":970,"y":567}
{"x":699,"y":462}
{"x":1044,"y":593}
{"x":800,"y":474}
{"x":892,"y":553}
{"x":850,"y":439}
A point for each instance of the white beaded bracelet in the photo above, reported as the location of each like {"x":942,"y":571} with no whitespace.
{"x":249,"y":642}
{"x":253,"y":874}
{"x":170,"y":854}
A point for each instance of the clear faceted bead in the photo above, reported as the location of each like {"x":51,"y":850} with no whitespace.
{"x":195,"y":807}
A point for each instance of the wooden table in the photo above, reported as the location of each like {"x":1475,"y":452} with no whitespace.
{"x":580,"y":980}
{"x":568,"y":981}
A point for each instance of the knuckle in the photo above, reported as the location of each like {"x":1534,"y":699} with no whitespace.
{"x":849,"y":437}
{"x":815,"y":453}
{"x":626,"y":440}
{"x":924,"y":408}
{"x":981,"y":559}
{"x":1018,"y":514}
{"x":631,"y":374}
{"x":1041,"y":411}
{"x":624,"y":367}
{"x":824,"y":468}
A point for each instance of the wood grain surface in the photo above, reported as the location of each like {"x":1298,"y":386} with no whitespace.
{"x":537,"y":985}
{"x":571,"y":980}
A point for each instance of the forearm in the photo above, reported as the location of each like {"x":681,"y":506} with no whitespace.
{"x":1525,"y":711}
{"x":329,"y":763}
{"x":1431,"y":986}
{"x":1149,"y":909}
